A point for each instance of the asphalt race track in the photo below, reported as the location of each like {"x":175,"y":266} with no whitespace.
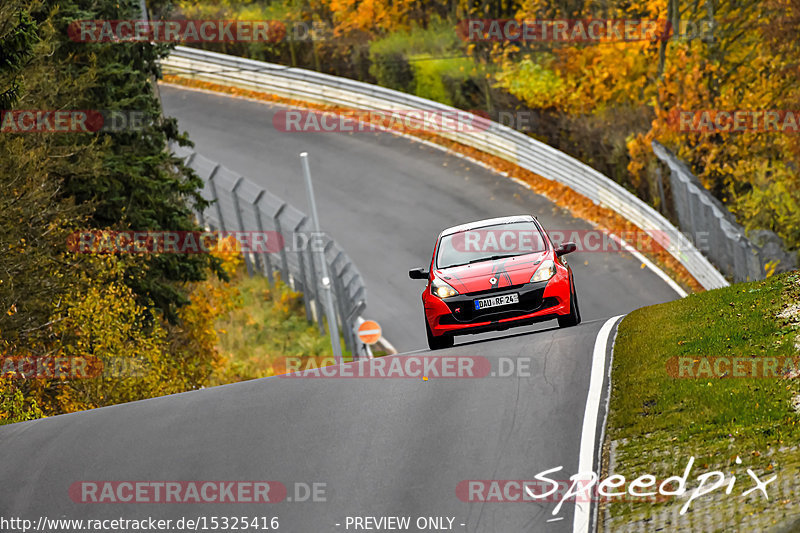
{"x":380,"y":446}
{"x":385,"y":198}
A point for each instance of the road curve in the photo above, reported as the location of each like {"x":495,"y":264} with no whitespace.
{"x":385,"y":198}
{"x":381,"y":446}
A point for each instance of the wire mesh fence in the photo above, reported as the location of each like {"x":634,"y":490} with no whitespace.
{"x":285,"y":244}
{"x":723,"y":239}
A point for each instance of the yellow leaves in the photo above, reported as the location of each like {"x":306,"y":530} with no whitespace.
{"x":14,"y":406}
{"x":100,"y":318}
{"x":589,"y":78}
{"x":769,"y":268}
{"x":228,"y":251}
{"x":367,"y":16}
{"x":194,"y":345}
{"x":534,"y":82}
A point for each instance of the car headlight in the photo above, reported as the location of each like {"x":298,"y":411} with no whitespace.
{"x":442,"y":289}
{"x":545,"y":271}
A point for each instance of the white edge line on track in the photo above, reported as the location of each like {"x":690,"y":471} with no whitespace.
{"x":606,"y":406}
{"x":638,"y":255}
{"x":582,"y":517}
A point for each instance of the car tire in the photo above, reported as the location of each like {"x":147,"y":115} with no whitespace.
{"x":440,"y":342}
{"x":574,"y":316}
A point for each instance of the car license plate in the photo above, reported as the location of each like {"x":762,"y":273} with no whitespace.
{"x":496,"y":301}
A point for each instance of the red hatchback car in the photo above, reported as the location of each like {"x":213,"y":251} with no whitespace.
{"x":495,"y":274}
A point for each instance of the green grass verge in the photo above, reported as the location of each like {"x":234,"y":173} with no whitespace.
{"x":268,"y":326}
{"x":658,"y":421}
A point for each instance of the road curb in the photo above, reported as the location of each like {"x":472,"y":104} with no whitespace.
{"x":584,"y":518}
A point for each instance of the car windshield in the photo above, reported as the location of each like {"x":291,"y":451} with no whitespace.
{"x":489,"y":242}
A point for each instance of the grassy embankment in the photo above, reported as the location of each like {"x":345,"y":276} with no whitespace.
{"x":664,"y":410}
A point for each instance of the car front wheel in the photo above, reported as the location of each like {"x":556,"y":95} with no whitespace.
{"x":574,"y":316}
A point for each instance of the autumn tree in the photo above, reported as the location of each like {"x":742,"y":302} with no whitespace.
{"x":144,"y":308}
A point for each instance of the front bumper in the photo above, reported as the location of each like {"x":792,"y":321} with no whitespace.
{"x":538,"y":301}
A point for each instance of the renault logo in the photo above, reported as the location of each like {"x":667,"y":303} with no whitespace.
{"x":492,"y":281}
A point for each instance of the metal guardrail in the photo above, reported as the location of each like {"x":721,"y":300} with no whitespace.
{"x":698,"y":212}
{"x":239,"y":204}
{"x":492,"y":138}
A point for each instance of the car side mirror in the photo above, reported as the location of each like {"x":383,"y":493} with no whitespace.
{"x":566,"y":248}
{"x":418,"y":273}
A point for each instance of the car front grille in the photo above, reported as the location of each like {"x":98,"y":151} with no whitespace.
{"x":462,"y":310}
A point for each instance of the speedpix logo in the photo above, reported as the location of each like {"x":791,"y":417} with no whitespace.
{"x":589,"y":486}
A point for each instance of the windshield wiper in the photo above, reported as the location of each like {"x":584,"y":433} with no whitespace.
{"x":492,"y":258}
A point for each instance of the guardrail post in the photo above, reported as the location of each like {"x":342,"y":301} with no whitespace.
{"x":349,"y":305}
{"x":248,"y":256}
{"x":263,"y":262}
{"x":360,"y":348}
{"x":284,"y":260}
{"x":201,"y":218}
{"x":341,"y":304}
{"x":341,"y":297}
{"x":215,"y":194}
{"x":303,"y":278}
{"x":315,"y":283}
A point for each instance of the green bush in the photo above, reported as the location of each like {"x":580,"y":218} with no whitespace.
{"x":442,"y":79}
{"x":14,"y":407}
{"x":392,"y":70}
{"x":428,"y":62}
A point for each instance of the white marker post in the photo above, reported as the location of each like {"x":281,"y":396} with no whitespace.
{"x":330,"y":312}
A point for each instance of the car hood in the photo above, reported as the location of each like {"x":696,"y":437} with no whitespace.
{"x":478,"y":276}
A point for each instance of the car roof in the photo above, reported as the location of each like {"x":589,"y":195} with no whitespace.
{"x":487,"y":222}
